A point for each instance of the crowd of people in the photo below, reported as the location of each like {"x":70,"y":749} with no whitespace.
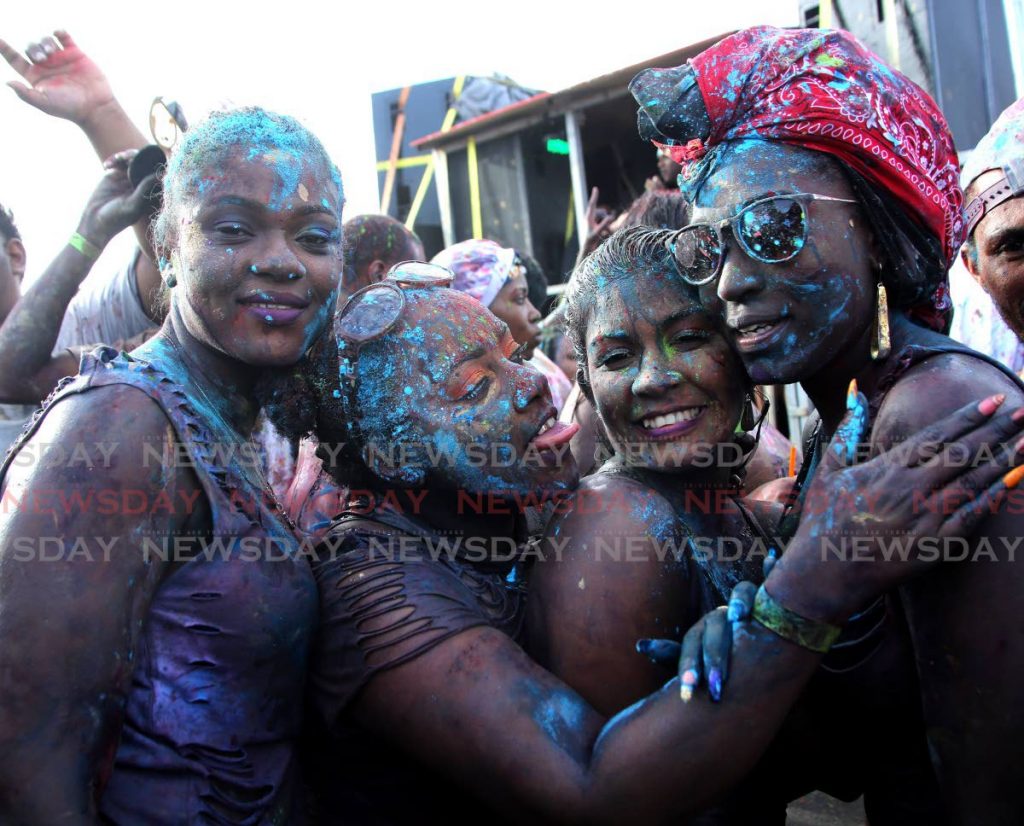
{"x":299,"y":526}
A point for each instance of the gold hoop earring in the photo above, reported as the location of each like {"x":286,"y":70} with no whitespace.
{"x":881,"y":343}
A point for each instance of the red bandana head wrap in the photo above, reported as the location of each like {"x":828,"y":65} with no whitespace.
{"x":820,"y":90}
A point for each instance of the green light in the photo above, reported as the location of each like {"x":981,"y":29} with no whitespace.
{"x":557,"y":146}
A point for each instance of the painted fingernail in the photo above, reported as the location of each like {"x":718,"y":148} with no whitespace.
{"x":769,"y":562}
{"x":851,"y":395}
{"x":686,"y":685}
{"x":1019,"y":447}
{"x":715,"y":684}
{"x":1012,"y":479}
{"x":1017,"y":415}
{"x":991,"y":404}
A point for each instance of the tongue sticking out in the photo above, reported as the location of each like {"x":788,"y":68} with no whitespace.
{"x":558,"y":434}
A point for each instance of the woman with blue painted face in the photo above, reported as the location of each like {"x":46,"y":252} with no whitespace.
{"x":825,"y":212}
{"x":156,"y":613}
{"x":424,"y":705}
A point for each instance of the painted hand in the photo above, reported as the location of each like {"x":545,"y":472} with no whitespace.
{"x":704,"y":651}
{"x":115,"y":205}
{"x":892,"y":512}
{"x":61,"y":79}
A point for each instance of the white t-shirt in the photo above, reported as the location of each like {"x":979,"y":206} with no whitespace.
{"x":977,"y":322}
{"x":110,"y":310}
{"x":106,"y":311}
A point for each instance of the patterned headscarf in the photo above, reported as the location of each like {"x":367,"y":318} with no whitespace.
{"x":820,"y":90}
{"x":481,"y":268}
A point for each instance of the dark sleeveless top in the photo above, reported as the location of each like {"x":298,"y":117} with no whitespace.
{"x":391,"y":589}
{"x":213,"y":713}
{"x":859,"y":727}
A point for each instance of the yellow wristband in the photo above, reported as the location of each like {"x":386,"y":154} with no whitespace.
{"x":84,"y":246}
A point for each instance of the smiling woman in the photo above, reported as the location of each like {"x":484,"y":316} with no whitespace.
{"x":761,"y":115}
{"x":153,"y":673}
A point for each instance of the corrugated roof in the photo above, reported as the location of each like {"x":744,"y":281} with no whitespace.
{"x":548,"y":104}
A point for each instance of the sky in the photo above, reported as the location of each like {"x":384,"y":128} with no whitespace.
{"x":315,"y":60}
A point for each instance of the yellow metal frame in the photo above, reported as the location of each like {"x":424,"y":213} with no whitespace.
{"x":474,"y":189}
{"x":428,"y":161}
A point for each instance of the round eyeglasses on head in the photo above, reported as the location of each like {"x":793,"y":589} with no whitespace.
{"x":770,"y":230}
{"x":373,"y":311}
{"x":167,"y":122}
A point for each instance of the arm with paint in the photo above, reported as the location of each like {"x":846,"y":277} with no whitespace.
{"x":514,"y":734}
{"x":28,"y":370}
{"x":65,"y":83}
{"x":62,"y":81}
{"x":76,"y":581}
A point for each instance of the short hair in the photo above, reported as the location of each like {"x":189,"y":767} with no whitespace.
{"x":8,"y":229}
{"x":536,"y":280}
{"x":617,"y":258}
{"x":369,"y":238}
{"x":258,"y":131}
{"x":660,"y":209}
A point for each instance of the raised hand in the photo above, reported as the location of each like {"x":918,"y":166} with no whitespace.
{"x":115,"y":204}
{"x":61,"y":79}
{"x":599,"y":225}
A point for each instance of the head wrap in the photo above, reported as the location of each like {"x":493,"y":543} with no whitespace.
{"x":820,"y":90}
{"x":481,"y":268}
{"x":1002,"y":148}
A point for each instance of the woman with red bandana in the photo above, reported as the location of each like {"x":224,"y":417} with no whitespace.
{"x":825,"y":212}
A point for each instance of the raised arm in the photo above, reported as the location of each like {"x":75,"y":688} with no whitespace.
{"x":28,"y":370}
{"x":61,"y":80}
{"x":75,"y":584}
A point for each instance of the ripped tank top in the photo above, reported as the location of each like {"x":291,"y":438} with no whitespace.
{"x":213,"y":712}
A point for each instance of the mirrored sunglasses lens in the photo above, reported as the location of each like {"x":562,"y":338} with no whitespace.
{"x":697,"y":253}
{"x":369,"y":314}
{"x":773,"y":231}
{"x":420,"y":273}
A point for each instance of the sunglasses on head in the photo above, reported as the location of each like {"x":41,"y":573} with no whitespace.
{"x":371,"y":312}
{"x":770,"y":230}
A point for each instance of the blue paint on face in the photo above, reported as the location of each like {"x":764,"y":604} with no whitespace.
{"x":439,"y":385}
